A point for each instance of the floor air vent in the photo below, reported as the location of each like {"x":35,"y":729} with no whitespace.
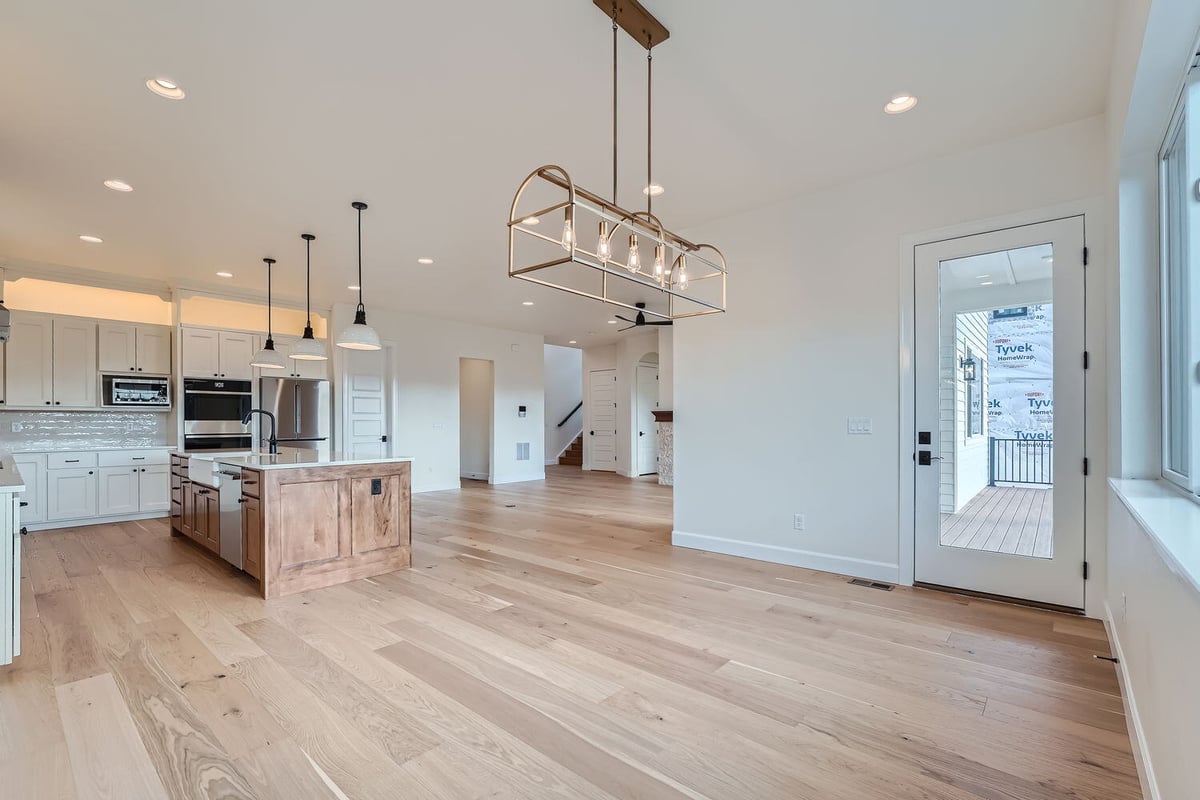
{"x":887,"y":587}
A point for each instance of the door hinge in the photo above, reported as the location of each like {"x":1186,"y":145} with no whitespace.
{"x":1087,"y":360}
{"x":1085,"y":570}
{"x":1085,"y":256}
{"x":1085,"y":466}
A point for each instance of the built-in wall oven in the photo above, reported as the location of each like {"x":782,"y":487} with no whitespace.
{"x":213,"y":411}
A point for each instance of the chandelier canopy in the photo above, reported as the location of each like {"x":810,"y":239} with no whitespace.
{"x":680,"y":279}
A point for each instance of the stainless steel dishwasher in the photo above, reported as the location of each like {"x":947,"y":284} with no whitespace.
{"x":230,"y":487}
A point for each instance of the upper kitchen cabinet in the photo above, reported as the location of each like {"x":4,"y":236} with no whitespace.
{"x":210,"y":353}
{"x":28,"y":355}
{"x":134,"y":348}
{"x":74,"y":363}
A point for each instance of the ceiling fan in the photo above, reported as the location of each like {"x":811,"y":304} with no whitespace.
{"x":640,"y":320}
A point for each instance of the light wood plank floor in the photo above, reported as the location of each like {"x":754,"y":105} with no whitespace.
{"x":1018,"y":520}
{"x":548,"y":643}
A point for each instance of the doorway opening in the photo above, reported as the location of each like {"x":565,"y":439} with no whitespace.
{"x":999,"y":404}
{"x":476,"y":390}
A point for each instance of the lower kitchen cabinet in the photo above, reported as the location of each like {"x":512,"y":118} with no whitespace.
{"x":118,"y":490}
{"x":252,"y":542}
{"x":71,"y":493}
{"x":33,"y":472}
{"x":206,"y":516}
{"x":10,"y":576}
{"x":154,"y":488}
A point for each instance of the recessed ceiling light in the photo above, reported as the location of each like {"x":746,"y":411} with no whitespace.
{"x":981,"y":277}
{"x":612,"y":322}
{"x":986,"y":283}
{"x":165,"y":88}
{"x":118,"y":186}
{"x":900,"y":103}
{"x":354,"y":288}
{"x":87,"y":237}
{"x":572,"y":342}
{"x":530,"y":221}
{"x":425,"y":261}
{"x":527,"y":303}
{"x":654,"y":190}
{"x":224,"y":274}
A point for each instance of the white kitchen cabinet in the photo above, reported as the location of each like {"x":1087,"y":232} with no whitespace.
{"x":124,"y":347}
{"x":117,"y":347}
{"x":32,"y":467}
{"x":30,"y":379}
{"x":237,"y":351}
{"x":154,"y":349}
{"x":10,"y":576}
{"x":74,"y":363}
{"x":3,"y":348}
{"x":154,"y":487}
{"x":201,"y":353}
{"x":117,"y":490}
{"x":71,"y":493}
{"x":211,"y":353}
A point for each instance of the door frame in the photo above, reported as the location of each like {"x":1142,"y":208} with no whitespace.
{"x":1094,"y":211}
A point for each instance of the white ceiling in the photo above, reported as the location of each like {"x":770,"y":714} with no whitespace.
{"x":1005,"y":268}
{"x":434,"y":112}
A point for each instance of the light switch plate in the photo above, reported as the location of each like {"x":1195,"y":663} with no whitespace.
{"x":858,"y":426}
{"x":17,"y":427}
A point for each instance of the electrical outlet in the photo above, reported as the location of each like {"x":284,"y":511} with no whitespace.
{"x":17,"y":427}
{"x":858,"y":425}
{"x":798,"y":522}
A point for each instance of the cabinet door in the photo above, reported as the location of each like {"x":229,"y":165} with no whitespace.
{"x":70,"y":493}
{"x":117,"y":492}
{"x":28,"y":356}
{"x":252,"y":539}
{"x":117,"y":347}
{"x":201,"y":353}
{"x":3,"y":347}
{"x":10,"y":579}
{"x":199,"y":513}
{"x":187,"y":505}
{"x":33,"y":474}
{"x":154,"y":349}
{"x":154,"y":487}
{"x":237,"y":351}
{"x":75,"y":376}
{"x":213,"y":526}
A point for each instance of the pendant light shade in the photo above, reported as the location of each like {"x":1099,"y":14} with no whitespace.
{"x":308,"y":348}
{"x":268,"y":357}
{"x":359,"y":335}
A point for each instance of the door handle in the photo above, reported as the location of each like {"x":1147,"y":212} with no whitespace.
{"x":641,"y":433}
{"x":591,"y":433}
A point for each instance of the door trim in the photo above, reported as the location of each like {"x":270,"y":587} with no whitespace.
{"x":1091,"y":209}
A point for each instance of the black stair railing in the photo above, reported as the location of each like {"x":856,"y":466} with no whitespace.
{"x":568,"y":416}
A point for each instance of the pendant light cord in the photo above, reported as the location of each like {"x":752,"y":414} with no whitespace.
{"x":649,"y":121}
{"x":308,"y":283}
{"x":361,"y":307}
{"x":269,"y":261}
{"x":614,"y":30}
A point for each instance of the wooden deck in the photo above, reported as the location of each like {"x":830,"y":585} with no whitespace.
{"x":1004,"y":519}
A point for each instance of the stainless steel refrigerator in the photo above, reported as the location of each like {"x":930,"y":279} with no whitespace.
{"x":301,"y":409}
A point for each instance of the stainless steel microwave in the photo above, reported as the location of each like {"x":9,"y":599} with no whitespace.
{"x":120,"y":391}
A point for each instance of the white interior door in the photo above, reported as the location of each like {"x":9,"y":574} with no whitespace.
{"x":367,"y":420}
{"x":647,"y":428}
{"x":998,"y":362}
{"x":602,"y":433}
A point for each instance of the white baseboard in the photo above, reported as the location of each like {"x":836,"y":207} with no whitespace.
{"x":1137,"y":736}
{"x":78,"y":523}
{"x":840,"y":565}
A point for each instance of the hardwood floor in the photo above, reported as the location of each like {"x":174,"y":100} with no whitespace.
{"x":549,"y":642}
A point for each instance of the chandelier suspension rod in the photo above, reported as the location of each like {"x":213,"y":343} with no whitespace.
{"x":614,"y":30}
{"x":649,"y":121}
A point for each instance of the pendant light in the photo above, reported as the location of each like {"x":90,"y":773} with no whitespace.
{"x":359,"y":335}
{"x":308,"y":348}
{"x":268,"y":357}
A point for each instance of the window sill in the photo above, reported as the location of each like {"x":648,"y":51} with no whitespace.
{"x":1171,"y":521}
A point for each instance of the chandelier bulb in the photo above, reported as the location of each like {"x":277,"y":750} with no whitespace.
{"x":568,"y":234}
{"x":660,"y":260}
{"x":603,"y":250}
{"x":635,"y":260}
{"x":681,"y":276}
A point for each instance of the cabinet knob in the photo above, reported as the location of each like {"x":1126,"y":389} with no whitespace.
{"x":90,"y":472}
{"x":241,"y":499}
{"x":47,"y":402}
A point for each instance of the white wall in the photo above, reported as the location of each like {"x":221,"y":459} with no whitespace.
{"x":1154,"y":619}
{"x":563,"y":370}
{"x":475,"y":418}
{"x":666,"y":366}
{"x":811,"y":338}
{"x":968,"y":332}
{"x":426,"y":419}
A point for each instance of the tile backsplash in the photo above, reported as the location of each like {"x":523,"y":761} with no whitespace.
{"x":82,"y":430}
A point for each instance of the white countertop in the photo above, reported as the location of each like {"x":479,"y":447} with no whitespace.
{"x":10,"y":476}
{"x":291,"y":458}
{"x":1171,"y":520}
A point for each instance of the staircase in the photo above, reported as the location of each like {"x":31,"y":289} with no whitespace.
{"x":573,"y":455}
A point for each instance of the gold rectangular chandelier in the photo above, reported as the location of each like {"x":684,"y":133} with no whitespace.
{"x":634,"y":262}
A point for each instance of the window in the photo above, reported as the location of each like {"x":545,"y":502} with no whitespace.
{"x":1180,"y":216}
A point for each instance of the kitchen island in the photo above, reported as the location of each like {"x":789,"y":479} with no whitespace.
{"x":298,"y":520}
